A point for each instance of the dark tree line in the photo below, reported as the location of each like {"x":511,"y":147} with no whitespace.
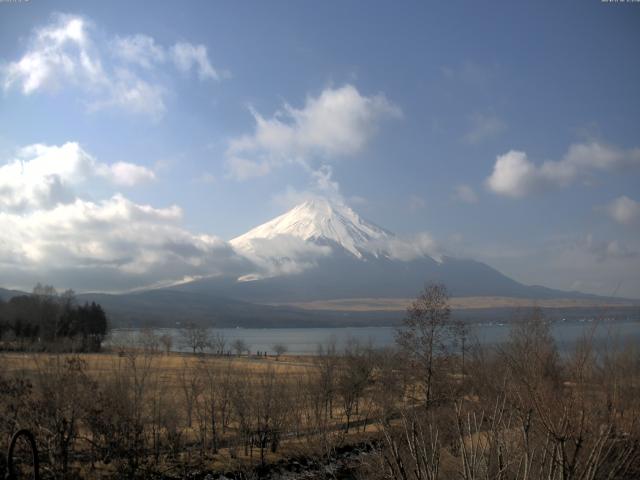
{"x":46,"y":319}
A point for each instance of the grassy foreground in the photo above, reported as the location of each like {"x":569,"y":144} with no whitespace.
{"x":428,"y":409}
{"x":137,"y":413}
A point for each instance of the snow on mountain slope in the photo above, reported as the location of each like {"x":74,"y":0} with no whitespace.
{"x":321,"y":222}
{"x":323,"y":250}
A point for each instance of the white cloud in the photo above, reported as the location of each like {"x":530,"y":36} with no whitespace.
{"x":413,"y":247}
{"x":42,"y":176}
{"x":282,"y":255}
{"x":187,"y":56}
{"x":624,"y":210}
{"x":59,"y":51}
{"x":138,"y":49}
{"x":66,"y":52}
{"x":466,"y":194}
{"x":322,"y":178}
{"x":129,"y":174}
{"x":339,"y":122}
{"x":603,"y":250}
{"x":129,"y":92}
{"x":514,"y":175}
{"x":142,"y":50}
{"x":113,"y":241}
{"x":484,"y":127}
{"x":48,"y":231}
{"x":322,"y":186}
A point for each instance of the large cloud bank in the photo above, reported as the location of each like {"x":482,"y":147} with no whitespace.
{"x":48,"y":232}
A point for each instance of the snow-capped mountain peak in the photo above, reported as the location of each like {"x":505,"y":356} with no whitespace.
{"x":324,"y":222}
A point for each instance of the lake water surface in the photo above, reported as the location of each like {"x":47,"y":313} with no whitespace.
{"x":305,"y":341}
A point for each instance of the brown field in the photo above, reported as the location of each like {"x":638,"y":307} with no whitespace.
{"x":178,"y":383}
{"x":168,"y":366}
{"x":139,"y":413}
{"x":401,"y":304}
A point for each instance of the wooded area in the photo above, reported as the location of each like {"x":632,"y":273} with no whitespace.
{"x":47,"y":321}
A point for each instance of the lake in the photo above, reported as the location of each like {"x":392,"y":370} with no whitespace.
{"x":305,"y":341}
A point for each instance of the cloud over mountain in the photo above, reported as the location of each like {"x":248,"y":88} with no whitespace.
{"x":337,"y":123}
{"x":48,"y":230}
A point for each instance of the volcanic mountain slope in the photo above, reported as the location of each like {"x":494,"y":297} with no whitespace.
{"x":321,"y":222}
{"x":322,"y":250}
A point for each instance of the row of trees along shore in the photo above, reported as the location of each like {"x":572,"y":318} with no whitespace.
{"x":193,"y":338}
{"x":46,"y":320}
{"x":438,"y":405}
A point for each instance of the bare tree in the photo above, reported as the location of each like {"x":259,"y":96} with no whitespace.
{"x":215,"y":383}
{"x":61,"y":389}
{"x":166,"y":341}
{"x":353,"y":378}
{"x":279,"y":349}
{"x":270,"y":409}
{"x":242,"y":403}
{"x":240,"y":346}
{"x":413,"y":453}
{"x":148,"y":340}
{"x":117,"y":415}
{"x":218,"y":343}
{"x":426,"y":336}
{"x":327,"y":361}
{"x":195,"y":337}
{"x":191,"y":386}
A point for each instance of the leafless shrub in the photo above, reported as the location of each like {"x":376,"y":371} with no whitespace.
{"x":60,"y":392}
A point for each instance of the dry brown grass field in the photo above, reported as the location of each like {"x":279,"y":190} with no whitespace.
{"x":168,"y":366}
{"x":192,"y":390}
{"x":401,"y":304}
{"x":432,"y":408}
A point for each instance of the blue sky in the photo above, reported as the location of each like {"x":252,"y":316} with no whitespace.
{"x":506,"y":130}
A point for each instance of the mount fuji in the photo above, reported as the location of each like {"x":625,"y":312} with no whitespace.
{"x":323,"y":250}
{"x":321,"y":222}
{"x":321,"y":264}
